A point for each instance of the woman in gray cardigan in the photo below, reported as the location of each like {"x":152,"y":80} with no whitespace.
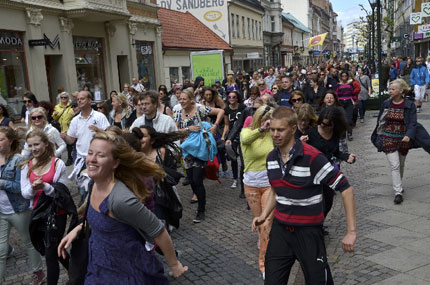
{"x":119,"y":220}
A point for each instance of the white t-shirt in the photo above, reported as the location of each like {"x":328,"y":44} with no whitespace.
{"x":79,"y":129}
{"x":5,"y":205}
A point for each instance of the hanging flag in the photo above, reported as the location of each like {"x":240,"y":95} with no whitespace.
{"x":317,"y":40}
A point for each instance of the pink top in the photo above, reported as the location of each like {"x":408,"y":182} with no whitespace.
{"x":247,"y":122}
{"x":48,"y":177}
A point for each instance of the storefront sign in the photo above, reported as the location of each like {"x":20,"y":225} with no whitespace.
{"x":416,"y":18}
{"x":87,"y":44}
{"x":418,"y":36}
{"x":10,"y":40}
{"x":208,"y":64}
{"x":253,"y":55}
{"x":35,"y":43}
{"x":212,"y":13}
{"x":423,"y":28}
{"x":146,"y":49}
{"x":425,"y":9}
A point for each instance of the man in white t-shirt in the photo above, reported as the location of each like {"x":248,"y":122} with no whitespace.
{"x":83,"y":126}
{"x":136,"y":85}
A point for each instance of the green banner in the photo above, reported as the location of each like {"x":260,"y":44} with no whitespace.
{"x":207,"y":65}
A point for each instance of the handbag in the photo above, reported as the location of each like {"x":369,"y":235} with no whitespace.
{"x":78,"y":261}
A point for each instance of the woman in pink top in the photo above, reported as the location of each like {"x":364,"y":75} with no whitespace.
{"x":38,"y":174}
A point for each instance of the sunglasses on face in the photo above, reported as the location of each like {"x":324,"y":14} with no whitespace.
{"x":308,"y":74}
{"x":232,"y":97}
{"x":34,"y":118}
{"x":296,"y":100}
{"x":261,"y":84}
{"x":276,"y":88}
{"x":314,"y":72}
{"x":326,"y":125}
{"x":64,"y":97}
{"x":27,"y":101}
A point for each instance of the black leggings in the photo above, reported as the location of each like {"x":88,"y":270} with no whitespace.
{"x":235,"y":164}
{"x":51,"y":255}
{"x":196,"y":176}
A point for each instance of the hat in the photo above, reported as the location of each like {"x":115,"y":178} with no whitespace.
{"x":217,"y":80}
{"x":230,"y":72}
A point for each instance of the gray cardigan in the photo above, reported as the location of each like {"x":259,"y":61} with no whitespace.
{"x":128,"y":209}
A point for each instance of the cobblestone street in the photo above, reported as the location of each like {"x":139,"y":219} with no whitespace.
{"x":392,"y":246}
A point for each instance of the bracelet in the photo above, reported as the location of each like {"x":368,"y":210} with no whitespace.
{"x":217,"y":125}
{"x":187,"y":129}
{"x":260,"y":130}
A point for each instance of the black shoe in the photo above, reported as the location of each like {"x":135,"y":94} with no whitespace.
{"x":192,"y":201}
{"x":69,"y":162}
{"x":398,"y":199}
{"x":186,"y":181}
{"x":242,"y":196}
{"x":200,"y":216}
{"x":350,"y":138}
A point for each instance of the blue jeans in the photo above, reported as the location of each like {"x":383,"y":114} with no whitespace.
{"x":362,"y":108}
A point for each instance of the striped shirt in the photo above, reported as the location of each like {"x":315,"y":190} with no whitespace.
{"x":299,"y":184}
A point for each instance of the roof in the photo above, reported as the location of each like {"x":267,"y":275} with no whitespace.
{"x":183,"y":30}
{"x":293,"y":20}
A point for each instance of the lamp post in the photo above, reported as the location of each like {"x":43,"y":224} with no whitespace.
{"x":372,"y":4}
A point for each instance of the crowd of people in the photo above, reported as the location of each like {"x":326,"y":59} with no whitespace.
{"x":279,"y":135}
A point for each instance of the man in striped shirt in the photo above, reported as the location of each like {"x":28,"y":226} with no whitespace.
{"x":297,"y":173}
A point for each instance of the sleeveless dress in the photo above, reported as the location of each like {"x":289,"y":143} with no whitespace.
{"x":117,"y":254}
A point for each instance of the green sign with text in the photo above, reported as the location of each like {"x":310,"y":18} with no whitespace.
{"x":209,"y":65}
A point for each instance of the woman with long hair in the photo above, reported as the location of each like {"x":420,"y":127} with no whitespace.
{"x":103,"y":108}
{"x":314,"y":92}
{"x":39,"y":121}
{"x":346,"y":96}
{"x":254,"y":93}
{"x":38,"y":174}
{"x":186,"y":118}
{"x":230,"y":84}
{"x":365,"y":91}
{"x":164,"y":102}
{"x":297,"y":99}
{"x":329,"y":99}
{"x":326,"y":137}
{"x":14,"y":208}
{"x":119,"y":219}
{"x":231,"y":114}
{"x":120,"y":112}
{"x":256,"y":143}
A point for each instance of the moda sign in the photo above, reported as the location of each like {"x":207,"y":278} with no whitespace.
{"x":10,"y":40}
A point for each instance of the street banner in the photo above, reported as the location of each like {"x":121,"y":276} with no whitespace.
{"x":425,"y":9}
{"x":317,"y":40}
{"x":423,"y":28}
{"x":416,"y":18}
{"x":214,"y":13}
{"x":207,"y":64}
{"x":375,"y":86}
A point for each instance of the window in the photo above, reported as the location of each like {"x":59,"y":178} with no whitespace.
{"x":174,"y":75}
{"x":259,"y":26}
{"x":233,"y":35}
{"x":243,"y":28}
{"x":145,"y":64}
{"x":89,"y":65}
{"x":253,"y":31}
{"x":272,"y":23}
{"x":237,"y":27}
{"x":249,"y":29}
{"x":186,"y":74}
{"x":13,"y":72}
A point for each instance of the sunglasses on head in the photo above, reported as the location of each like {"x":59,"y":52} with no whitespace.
{"x":27,"y":101}
{"x":34,"y":118}
{"x":267,"y":109}
{"x":296,"y":100}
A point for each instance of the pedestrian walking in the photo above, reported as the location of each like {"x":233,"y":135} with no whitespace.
{"x":119,"y":220}
{"x":256,"y":143}
{"x":397,"y":131}
{"x":345,"y":94}
{"x":419,"y":79}
{"x":120,"y":111}
{"x":365,"y":91}
{"x":63,"y":114}
{"x":296,"y":173}
{"x":15,"y":210}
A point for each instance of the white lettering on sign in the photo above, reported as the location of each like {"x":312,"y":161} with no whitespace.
{"x":10,"y":41}
{"x":425,"y":9}
{"x":416,"y":18}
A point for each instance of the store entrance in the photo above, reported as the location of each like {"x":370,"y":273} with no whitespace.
{"x":54,"y":75}
{"x":123,"y":71}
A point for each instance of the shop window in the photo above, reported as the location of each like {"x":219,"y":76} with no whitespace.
{"x":249,"y":29}
{"x":186,"y":73}
{"x":174,"y":75}
{"x":13,"y":72}
{"x":90,"y":66}
{"x":145,"y":64}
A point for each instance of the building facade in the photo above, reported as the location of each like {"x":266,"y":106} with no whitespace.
{"x":51,"y":44}
{"x":246,"y":34}
{"x":294,"y":47}
{"x":272,"y":32}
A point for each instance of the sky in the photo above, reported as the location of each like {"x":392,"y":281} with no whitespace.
{"x":348,"y":10}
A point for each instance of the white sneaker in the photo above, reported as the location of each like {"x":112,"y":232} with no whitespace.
{"x":263,"y":275}
{"x":234,"y":185}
